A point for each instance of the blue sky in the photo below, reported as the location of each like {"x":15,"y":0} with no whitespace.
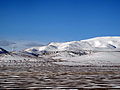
{"x":58,"y":20}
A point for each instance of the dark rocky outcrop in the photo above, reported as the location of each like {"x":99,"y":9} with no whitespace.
{"x":3,"y":51}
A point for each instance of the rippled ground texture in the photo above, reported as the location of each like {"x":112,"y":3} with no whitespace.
{"x":58,"y":76}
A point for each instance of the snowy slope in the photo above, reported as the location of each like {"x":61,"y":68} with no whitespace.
{"x":97,"y":43}
{"x":16,"y":57}
{"x":104,"y":42}
{"x":95,"y":59}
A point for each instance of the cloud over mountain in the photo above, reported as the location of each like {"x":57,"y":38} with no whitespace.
{"x":6,"y":43}
{"x":18,"y":45}
{"x":32,"y":44}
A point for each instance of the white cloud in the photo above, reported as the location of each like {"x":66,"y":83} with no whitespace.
{"x":19,"y":45}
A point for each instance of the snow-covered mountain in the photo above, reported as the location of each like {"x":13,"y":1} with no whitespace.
{"x":97,"y":51}
{"x":98,"y":43}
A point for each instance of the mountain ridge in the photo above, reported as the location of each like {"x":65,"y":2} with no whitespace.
{"x":87,"y":44}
